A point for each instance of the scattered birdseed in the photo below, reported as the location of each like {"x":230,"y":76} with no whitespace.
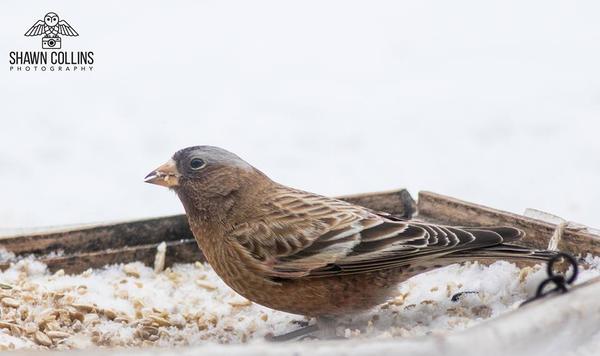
{"x":205,"y":285}
{"x":131,"y":271}
{"x":241,"y":303}
{"x":42,"y":339}
{"x":524,"y":273}
{"x":57,"y":334}
{"x":10,"y":302}
{"x":133,"y":306}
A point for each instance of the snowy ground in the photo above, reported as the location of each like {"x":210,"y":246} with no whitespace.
{"x":131,"y":305}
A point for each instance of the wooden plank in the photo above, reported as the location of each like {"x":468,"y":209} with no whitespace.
{"x":101,"y":237}
{"x":439,"y":208}
{"x":184,"y":251}
{"x":398,"y":202}
{"x":97,"y":245}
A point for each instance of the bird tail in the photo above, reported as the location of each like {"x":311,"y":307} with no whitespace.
{"x":505,"y":249}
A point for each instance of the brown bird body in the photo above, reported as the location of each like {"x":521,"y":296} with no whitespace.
{"x":307,"y":254}
{"x":227,"y":248}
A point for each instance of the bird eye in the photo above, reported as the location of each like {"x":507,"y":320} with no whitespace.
{"x":197,"y":163}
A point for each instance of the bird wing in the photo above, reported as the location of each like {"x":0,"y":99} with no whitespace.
{"x":306,"y":235}
{"x":36,"y":30}
{"x":65,"y":29}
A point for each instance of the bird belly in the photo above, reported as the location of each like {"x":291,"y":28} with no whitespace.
{"x":339,"y":295}
{"x":326,"y":296}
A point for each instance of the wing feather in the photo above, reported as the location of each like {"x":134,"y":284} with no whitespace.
{"x":299,"y":234}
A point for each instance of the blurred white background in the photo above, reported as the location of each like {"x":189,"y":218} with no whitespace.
{"x":493,"y":102}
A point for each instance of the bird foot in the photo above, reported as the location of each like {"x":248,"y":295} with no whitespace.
{"x":299,"y":334}
{"x":324,"y":329}
{"x":302,"y":323}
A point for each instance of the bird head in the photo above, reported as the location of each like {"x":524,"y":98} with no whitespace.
{"x":51,"y":19}
{"x":205,"y":175}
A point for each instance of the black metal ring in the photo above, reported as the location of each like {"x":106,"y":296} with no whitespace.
{"x":559,"y":282}
{"x":570,"y":259}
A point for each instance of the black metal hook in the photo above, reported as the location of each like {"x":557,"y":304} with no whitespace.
{"x":560,"y":281}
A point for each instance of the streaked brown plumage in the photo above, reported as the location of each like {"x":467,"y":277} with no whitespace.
{"x":307,"y":254}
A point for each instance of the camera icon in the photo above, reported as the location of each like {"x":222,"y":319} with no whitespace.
{"x":51,"y":42}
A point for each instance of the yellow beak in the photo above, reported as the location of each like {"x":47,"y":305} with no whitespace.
{"x":166,"y":175}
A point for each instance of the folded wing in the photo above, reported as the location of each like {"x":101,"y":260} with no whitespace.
{"x":306,"y":235}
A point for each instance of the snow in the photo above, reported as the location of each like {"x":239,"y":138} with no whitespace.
{"x":199,"y":308}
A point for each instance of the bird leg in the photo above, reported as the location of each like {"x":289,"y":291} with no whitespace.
{"x":325,"y":327}
{"x":294,"y":335}
{"x":301,"y":322}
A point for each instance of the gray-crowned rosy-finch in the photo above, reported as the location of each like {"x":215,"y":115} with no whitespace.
{"x":308,"y":254}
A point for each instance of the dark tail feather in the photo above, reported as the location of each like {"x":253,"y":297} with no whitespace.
{"x":509,"y":234}
{"x":505,"y":249}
